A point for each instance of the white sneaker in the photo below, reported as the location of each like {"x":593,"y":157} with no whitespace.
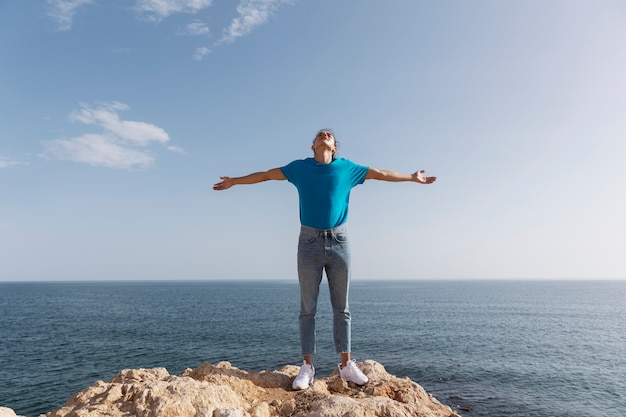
{"x":304,"y":378}
{"x":352,"y":373}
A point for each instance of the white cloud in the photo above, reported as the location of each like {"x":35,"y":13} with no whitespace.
{"x":8,"y":162}
{"x":99,"y":150}
{"x":177,"y":149}
{"x":200,"y":53}
{"x":157,"y":10}
{"x":196,"y":28}
{"x":140,"y":133}
{"x":122,"y":145}
{"x":252,"y":14}
{"x":63,"y":11}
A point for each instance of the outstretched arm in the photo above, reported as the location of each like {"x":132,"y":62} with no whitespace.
{"x":392,"y":176}
{"x":272,"y":174}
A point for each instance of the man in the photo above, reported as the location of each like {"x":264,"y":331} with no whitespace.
{"x":324,"y":183}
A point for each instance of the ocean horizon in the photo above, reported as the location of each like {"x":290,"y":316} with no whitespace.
{"x":505,"y":348}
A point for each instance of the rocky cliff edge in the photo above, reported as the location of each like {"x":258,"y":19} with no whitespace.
{"x":223,"y":390}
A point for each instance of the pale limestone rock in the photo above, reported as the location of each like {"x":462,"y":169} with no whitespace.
{"x":222,"y":390}
{"x":7,"y":412}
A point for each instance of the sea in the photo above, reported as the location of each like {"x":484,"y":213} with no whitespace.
{"x":485,"y":348}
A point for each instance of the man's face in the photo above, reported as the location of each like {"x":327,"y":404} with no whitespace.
{"x":325,"y":139}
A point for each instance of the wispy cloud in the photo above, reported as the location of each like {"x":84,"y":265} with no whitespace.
{"x":122,"y":144}
{"x":175,"y":148}
{"x":63,"y":11}
{"x":138,"y":133}
{"x":157,"y":10}
{"x":100,"y":150}
{"x":8,"y":162}
{"x":200,"y":53}
{"x":196,"y":28}
{"x":251,"y":14}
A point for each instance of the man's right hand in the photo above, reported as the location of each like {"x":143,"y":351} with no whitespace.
{"x":225,"y":184}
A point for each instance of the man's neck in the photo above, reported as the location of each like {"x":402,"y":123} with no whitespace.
{"x":324,"y":157}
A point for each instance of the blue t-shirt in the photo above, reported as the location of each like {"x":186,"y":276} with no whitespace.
{"x":324,"y":189}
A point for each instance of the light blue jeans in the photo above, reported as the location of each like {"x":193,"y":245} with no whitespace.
{"x":320,"y":250}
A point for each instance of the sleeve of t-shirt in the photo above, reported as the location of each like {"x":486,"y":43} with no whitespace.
{"x":289,"y":171}
{"x":358,"y":173}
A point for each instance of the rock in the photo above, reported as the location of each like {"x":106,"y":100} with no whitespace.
{"x":465,"y":407}
{"x":7,"y":412}
{"x":223,"y":390}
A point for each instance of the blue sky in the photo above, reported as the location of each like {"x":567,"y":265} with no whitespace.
{"x":116,"y":117}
